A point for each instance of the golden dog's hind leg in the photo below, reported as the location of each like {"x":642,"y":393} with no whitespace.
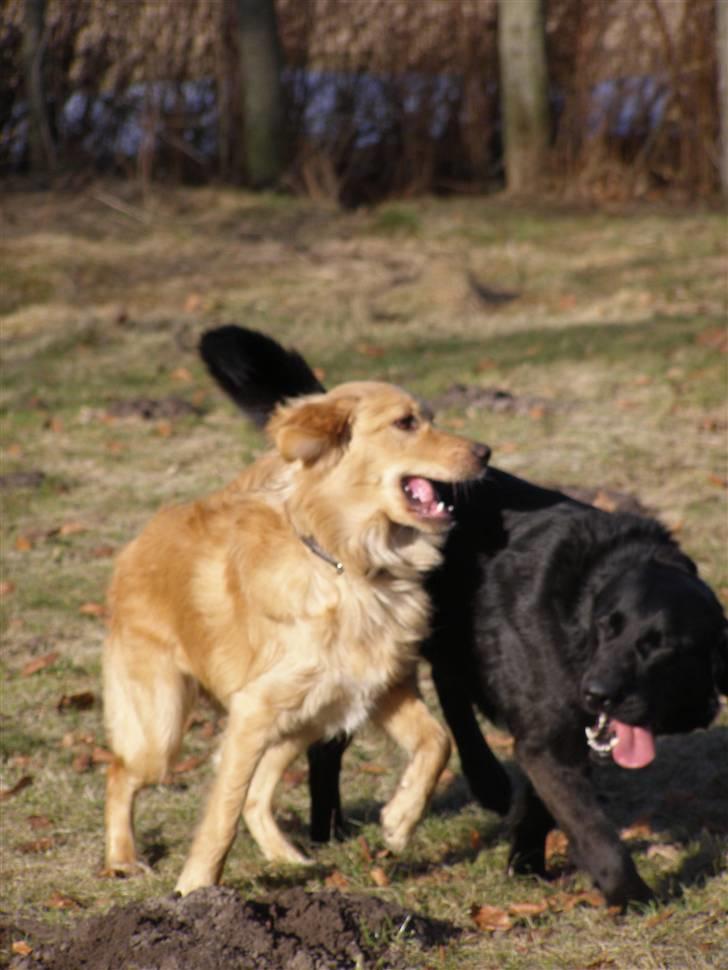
{"x":405,"y":717}
{"x":250,"y":730}
{"x":258,"y":812}
{"x":147,"y":701}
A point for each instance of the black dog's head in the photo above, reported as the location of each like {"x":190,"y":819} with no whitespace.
{"x":659,"y":660}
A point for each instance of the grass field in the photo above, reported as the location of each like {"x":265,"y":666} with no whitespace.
{"x":608,"y":330}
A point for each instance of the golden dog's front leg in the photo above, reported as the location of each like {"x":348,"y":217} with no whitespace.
{"x":405,"y":717}
{"x":249,"y":731}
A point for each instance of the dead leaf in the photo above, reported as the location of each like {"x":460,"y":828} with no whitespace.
{"x":102,"y":552}
{"x":165,"y":429}
{"x":81,"y":763}
{"x":714,"y":337}
{"x":101,"y":756}
{"x":370,"y":350}
{"x":660,"y":917}
{"x":182,"y":375}
{"x":565,"y":902}
{"x":379,"y":876}
{"x":59,"y":900}
{"x":670,"y":853}
{"x":36,"y":846}
{"x":718,"y":480}
{"x":485,"y":363}
{"x":39,"y":663}
{"x":638,"y":830}
{"x":537,"y":412}
{"x":55,"y":425}
{"x":15,"y":450}
{"x":529,"y":909}
{"x":21,"y":948}
{"x":337,"y":880}
{"x":189,"y":764}
{"x":72,"y":528}
{"x":23,"y":544}
{"x":76,"y":702}
{"x":39,"y":822}
{"x":366,"y":852}
{"x":491,"y":919}
{"x":19,"y":785}
{"x":93,"y":609}
{"x":293,"y":777}
{"x":475,"y":839}
{"x":6,"y":587}
{"x":557,"y":845}
{"x":371,"y":768}
{"x":193,"y":302}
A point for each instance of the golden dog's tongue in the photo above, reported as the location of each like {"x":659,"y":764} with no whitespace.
{"x":635,"y":746}
{"x":421,"y":490}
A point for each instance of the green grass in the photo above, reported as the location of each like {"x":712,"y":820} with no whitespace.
{"x":615,"y":336}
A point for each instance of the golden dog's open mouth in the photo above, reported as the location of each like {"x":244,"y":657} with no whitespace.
{"x":425,"y":499}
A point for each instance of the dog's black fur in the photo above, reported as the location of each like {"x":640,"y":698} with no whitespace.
{"x":547,"y":613}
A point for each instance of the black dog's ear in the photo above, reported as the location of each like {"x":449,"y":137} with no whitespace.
{"x":255,"y":370}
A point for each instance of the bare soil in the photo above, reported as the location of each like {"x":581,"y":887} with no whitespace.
{"x":216,"y":927}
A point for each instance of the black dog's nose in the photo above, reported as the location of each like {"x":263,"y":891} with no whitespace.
{"x":598,"y":696}
{"x":481,"y":452}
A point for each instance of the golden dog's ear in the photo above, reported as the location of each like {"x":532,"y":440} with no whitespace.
{"x":309,"y":429}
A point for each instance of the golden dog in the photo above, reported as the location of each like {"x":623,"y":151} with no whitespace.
{"x":295,"y":597}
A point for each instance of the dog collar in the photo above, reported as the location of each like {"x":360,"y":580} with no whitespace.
{"x":315,"y":548}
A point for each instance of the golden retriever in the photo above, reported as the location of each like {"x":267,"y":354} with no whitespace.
{"x":294,"y":596}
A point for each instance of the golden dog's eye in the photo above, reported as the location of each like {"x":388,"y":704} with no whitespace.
{"x":408,"y":423}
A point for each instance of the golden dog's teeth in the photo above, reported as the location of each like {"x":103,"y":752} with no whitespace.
{"x":451,"y":508}
{"x":440,"y":507}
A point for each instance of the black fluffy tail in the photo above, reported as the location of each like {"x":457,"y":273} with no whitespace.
{"x":254,"y":370}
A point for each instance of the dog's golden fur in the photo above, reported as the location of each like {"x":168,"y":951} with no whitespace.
{"x":223,"y":593}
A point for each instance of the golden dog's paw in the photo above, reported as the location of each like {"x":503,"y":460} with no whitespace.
{"x":396,"y":826}
{"x":126,"y":870}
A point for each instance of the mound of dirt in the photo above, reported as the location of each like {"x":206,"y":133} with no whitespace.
{"x":216,"y":927}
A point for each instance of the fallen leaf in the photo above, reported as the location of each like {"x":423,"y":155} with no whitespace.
{"x":39,"y":663}
{"x":36,"y":846}
{"x":565,"y":902}
{"x":55,"y":425}
{"x":81,"y":763}
{"x":371,"y":768}
{"x":529,"y":909}
{"x":638,"y":830}
{"x":39,"y":822}
{"x":718,"y":480}
{"x":21,"y":948}
{"x":491,"y":919}
{"x":59,"y":900}
{"x":189,"y":764}
{"x":379,"y":876}
{"x":15,"y":450}
{"x":660,"y":917}
{"x":370,"y":350}
{"x":670,"y":853}
{"x":102,"y":552}
{"x":337,"y":880}
{"x":93,"y":609}
{"x":72,"y":528}
{"x":101,"y":756}
{"x":537,"y":412}
{"x":366,"y":852}
{"x":182,"y":375}
{"x":164,"y":428}
{"x":76,"y":702}
{"x":193,"y":302}
{"x":23,"y":544}
{"x":6,"y":587}
{"x":293,"y":777}
{"x":557,"y":845}
{"x":19,"y":785}
{"x":485,"y":363}
{"x":475,"y":839}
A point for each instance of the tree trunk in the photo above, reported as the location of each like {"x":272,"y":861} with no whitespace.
{"x":722,"y":44}
{"x":524,"y":93}
{"x":261,"y":63}
{"x":42,"y":155}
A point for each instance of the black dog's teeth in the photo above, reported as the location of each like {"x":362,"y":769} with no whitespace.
{"x":600,"y":738}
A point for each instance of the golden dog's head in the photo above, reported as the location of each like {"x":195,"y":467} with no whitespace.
{"x":372,"y":447}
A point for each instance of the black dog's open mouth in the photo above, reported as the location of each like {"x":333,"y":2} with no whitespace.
{"x":629,"y":745}
{"x":427,"y":499}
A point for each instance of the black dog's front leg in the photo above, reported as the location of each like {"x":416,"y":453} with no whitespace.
{"x":324,"y":770}
{"x":569,"y":796}
{"x":487,"y":778}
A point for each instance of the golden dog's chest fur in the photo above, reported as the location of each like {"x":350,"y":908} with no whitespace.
{"x":225,"y":593}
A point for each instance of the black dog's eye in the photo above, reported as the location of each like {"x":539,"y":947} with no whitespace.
{"x":408,"y":423}
{"x":648,"y":643}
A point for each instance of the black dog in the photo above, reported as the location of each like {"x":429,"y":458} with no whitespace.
{"x":577,"y":629}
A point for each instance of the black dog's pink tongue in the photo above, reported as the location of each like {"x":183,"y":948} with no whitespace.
{"x":635,"y":746}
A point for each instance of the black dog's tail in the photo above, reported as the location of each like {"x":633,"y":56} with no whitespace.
{"x":255,"y":370}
